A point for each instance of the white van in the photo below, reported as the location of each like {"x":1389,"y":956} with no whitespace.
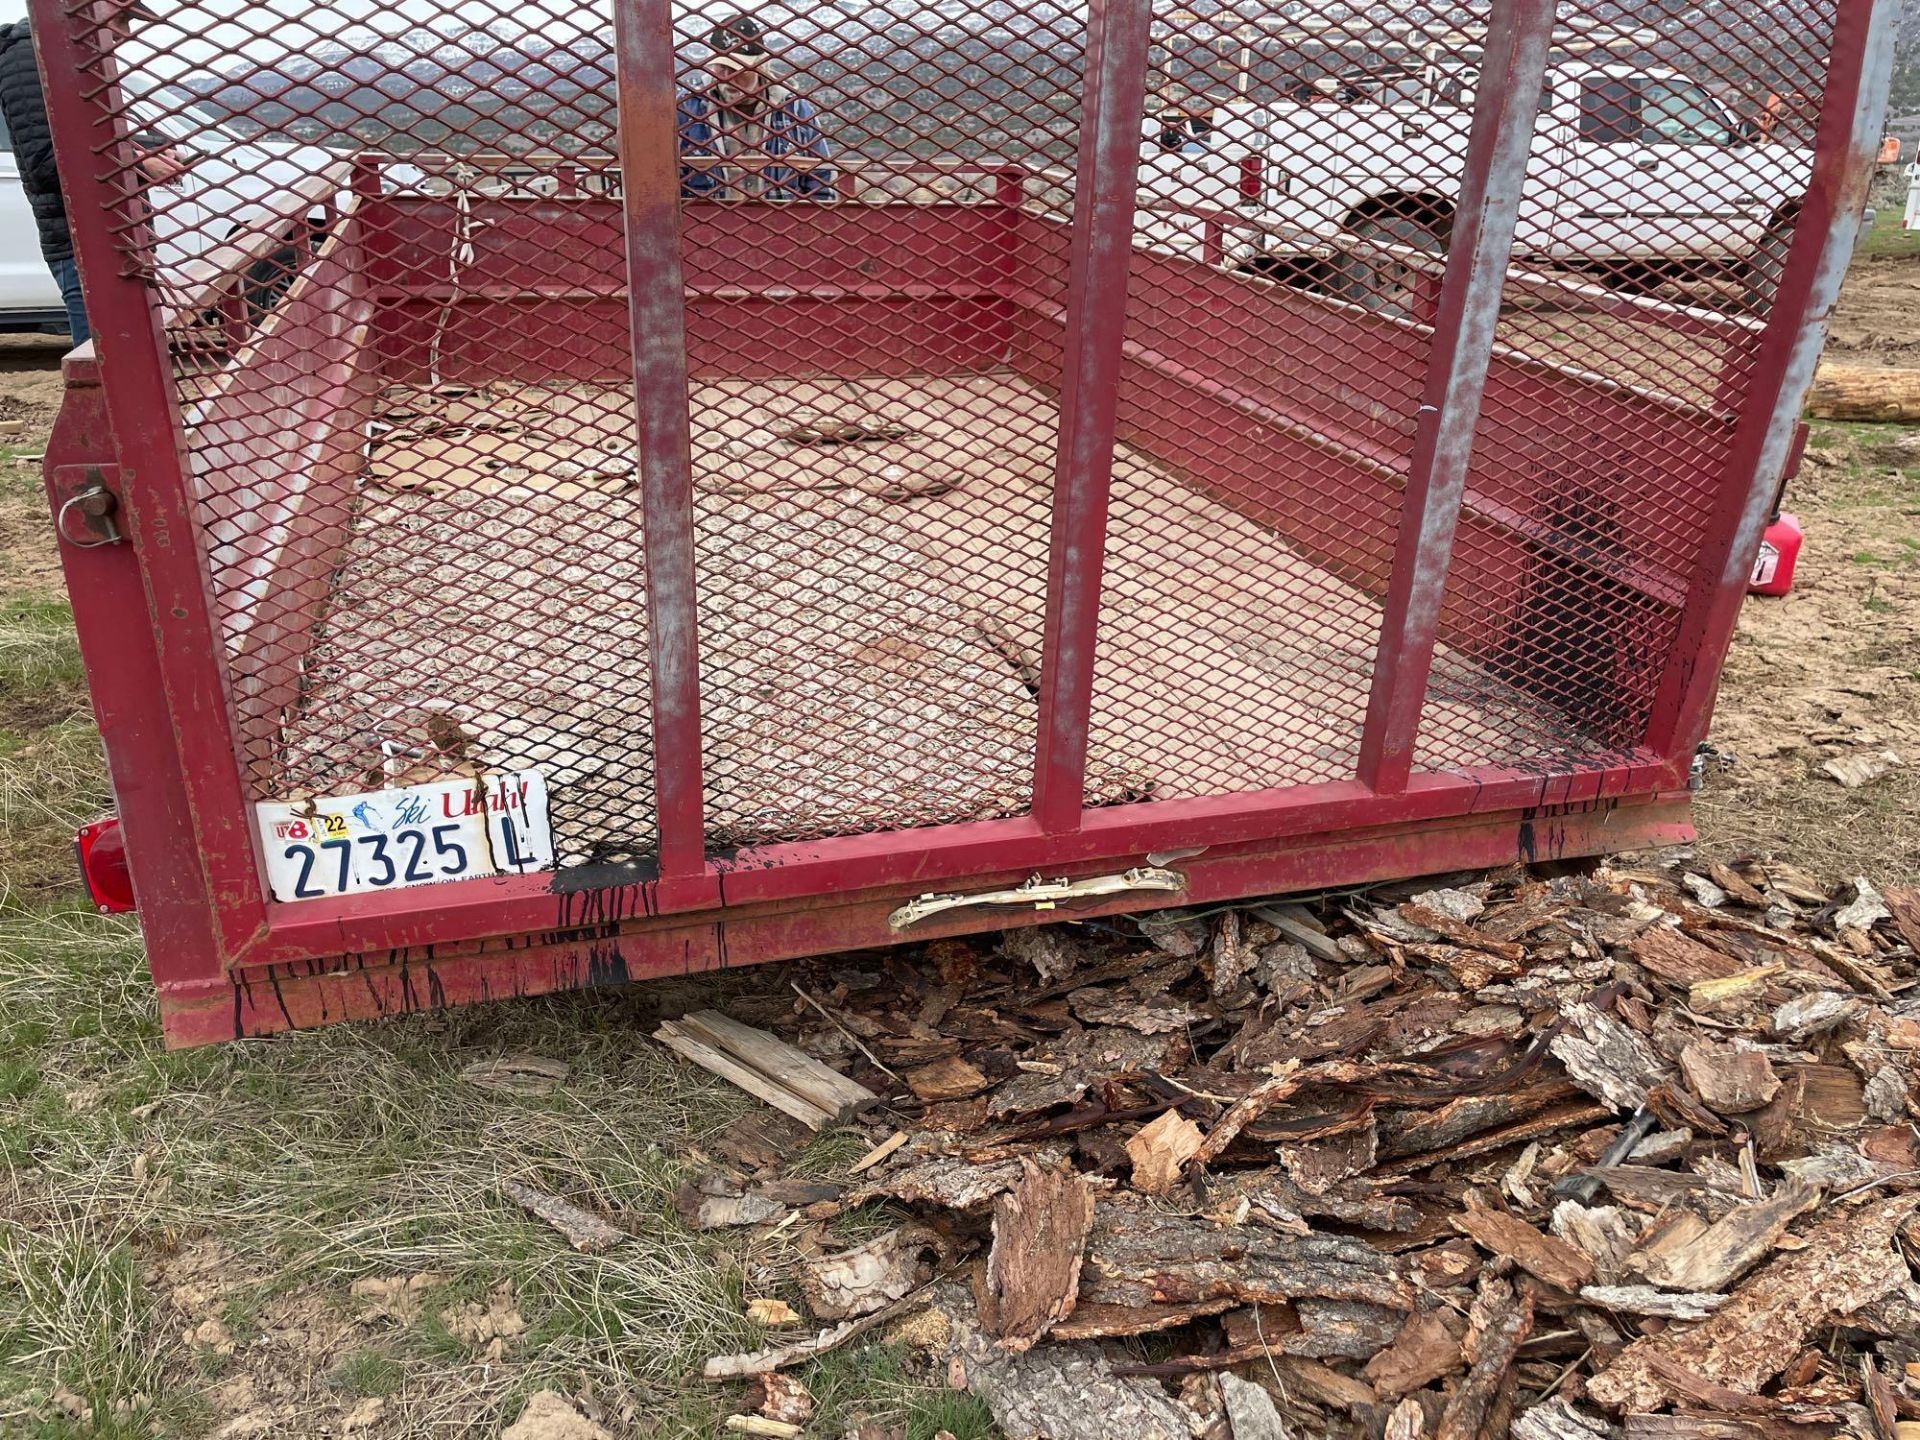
{"x":229,"y":184}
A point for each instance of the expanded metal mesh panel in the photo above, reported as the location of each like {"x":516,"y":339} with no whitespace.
{"x":1262,"y":372}
{"x":1670,"y":158}
{"x":387,"y":253}
{"x":873,"y":439}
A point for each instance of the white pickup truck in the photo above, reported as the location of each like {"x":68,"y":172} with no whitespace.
{"x":1636,"y":173}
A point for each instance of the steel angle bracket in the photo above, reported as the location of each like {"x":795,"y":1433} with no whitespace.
{"x":1041,"y":894}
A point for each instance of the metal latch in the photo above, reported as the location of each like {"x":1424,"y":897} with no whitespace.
{"x":1040,"y":894}
{"x":88,"y":505}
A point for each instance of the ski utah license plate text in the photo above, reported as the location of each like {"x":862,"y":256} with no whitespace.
{"x":411,"y":835}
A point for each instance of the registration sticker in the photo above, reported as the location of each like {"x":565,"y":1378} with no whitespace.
{"x":411,"y":835}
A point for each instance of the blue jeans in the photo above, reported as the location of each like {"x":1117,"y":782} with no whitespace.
{"x":67,"y":273}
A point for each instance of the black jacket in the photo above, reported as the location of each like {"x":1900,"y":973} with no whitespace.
{"x":24,"y":105}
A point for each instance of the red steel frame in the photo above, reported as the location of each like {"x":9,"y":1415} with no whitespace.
{"x":229,"y":962}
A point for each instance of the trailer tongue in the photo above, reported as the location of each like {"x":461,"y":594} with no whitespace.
{"x":866,"y":508}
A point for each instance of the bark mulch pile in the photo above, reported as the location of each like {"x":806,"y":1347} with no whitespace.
{"x":1624,"y":1152}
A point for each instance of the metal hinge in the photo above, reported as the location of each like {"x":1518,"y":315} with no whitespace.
{"x":89,"y":498}
{"x":1040,"y":894}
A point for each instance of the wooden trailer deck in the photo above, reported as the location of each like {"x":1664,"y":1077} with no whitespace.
{"x":872,"y":600}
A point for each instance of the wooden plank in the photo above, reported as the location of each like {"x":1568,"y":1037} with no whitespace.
{"x":710,"y":1057}
{"x":820,"y":1085}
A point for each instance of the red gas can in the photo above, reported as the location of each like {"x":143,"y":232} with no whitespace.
{"x":1779,"y":549}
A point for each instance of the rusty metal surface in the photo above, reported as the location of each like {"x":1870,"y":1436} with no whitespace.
{"x":837,"y":445}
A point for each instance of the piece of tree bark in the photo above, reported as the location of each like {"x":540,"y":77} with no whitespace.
{"x":1102,"y":1322}
{"x":1243,"y":1112}
{"x":1713,"y":1258}
{"x":1316,"y":1166}
{"x":1039,"y":1239}
{"x":1425,"y":1350}
{"x":1846,"y":1262}
{"x":1602,"y":1232}
{"x":945,"y":1180}
{"x":1061,"y":1392}
{"x":948,"y":1078}
{"x":1665,"y":952}
{"x":1250,"y":1411}
{"x":1137,"y":1256}
{"x":1159,"y":1149}
{"x":1558,"y":1419}
{"x":1406,"y":1421}
{"x":1904,"y":903}
{"x":1606,"y":1059}
{"x":1865,"y":392}
{"x":1698,"y":1426}
{"x":1544,"y":1256}
{"x":868,"y":1277}
{"x":1645,"y":1300}
{"x":584,"y":1230}
{"x":1497,"y":1325}
{"x":1729,"y":1079}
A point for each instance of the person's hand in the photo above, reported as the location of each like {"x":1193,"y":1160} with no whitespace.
{"x":162,"y":167}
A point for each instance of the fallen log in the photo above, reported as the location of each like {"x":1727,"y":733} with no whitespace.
{"x":1865,"y":392}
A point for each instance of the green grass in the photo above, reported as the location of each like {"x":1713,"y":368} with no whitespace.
{"x":1885,"y":238}
{"x":302,"y":1164}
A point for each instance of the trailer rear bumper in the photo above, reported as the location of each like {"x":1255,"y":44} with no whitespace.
{"x":598,"y":948}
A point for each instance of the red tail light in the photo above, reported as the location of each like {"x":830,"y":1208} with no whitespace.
{"x":103,"y":865}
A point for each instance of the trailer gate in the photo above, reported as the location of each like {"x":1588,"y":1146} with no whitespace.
{"x":954,"y":467}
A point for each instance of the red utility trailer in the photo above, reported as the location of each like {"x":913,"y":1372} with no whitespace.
{"x":559,"y":505}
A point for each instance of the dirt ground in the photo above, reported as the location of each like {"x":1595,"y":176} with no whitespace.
{"x":303,"y":1237}
{"x":1832,"y":670}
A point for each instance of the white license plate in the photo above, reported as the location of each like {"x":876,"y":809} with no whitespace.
{"x":410,"y":835}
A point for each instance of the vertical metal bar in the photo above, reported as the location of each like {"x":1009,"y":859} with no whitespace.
{"x":1113,"y":101}
{"x":1506,"y":110}
{"x":1854,"y":102}
{"x":92,"y":146}
{"x":650,"y":193}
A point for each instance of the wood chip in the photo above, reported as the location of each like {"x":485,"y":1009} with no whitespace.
{"x":1846,"y":1262}
{"x":1250,"y":1411}
{"x":949,"y":1078}
{"x":1720,"y":1253}
{"x":584,"y":1230}
{"x":878,"y":1153}
{"x":1033,"y":1268}
{"x":1731,"y":1079}
{"x":1544,"y":1256}
{"x":1426,"y":1349}
{"x":868,"y":1277}
{"x":1645,"y":1300}
{"x":1861,"y":767}
{"x":774,"y":1314}
{"x":1159,"y":1149}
